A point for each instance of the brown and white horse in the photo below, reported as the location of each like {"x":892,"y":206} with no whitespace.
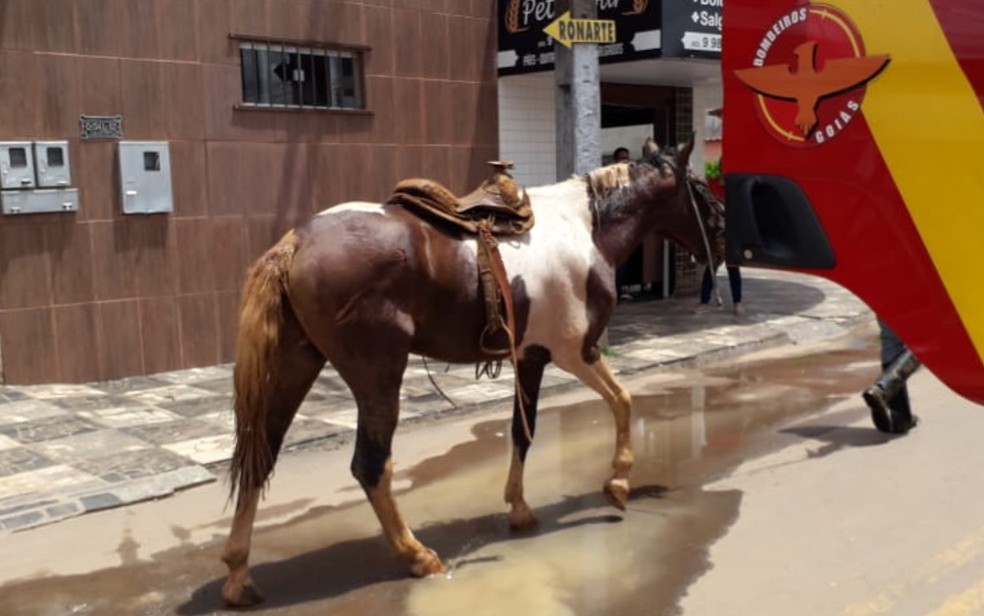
{"x":364,"y":285}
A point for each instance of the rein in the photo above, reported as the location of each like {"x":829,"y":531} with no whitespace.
{"x":712,"y":202}
{"x":703,"y":234}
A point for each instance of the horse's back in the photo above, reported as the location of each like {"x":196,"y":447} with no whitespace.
{"x":366,"y":236}
{"x":363,"y":266}
{"x":355,"y":248}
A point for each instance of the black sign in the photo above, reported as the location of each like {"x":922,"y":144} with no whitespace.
{"x":101,"y":127}
{"x":525,"y":48}
{"x":692,"y":28}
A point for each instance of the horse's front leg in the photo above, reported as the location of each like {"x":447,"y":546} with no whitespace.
{"x":529,"y":374}
{"x":598,"y":376}
{"x":372,"y":466}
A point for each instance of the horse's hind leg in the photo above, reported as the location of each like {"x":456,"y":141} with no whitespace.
{"x":375,"y":384}
{"x":598,"y":376}
{"x":529,"y":372}
{"x":298,"y":365}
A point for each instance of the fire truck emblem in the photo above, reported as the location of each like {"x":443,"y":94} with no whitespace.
{"x":809,"y":74}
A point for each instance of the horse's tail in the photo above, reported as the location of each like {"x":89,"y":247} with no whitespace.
{"x":254,"y":375}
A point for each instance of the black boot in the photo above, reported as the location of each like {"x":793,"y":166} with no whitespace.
{"x":893,"y":417}
{"x":881,"y":416}
{"x":902,"y":418}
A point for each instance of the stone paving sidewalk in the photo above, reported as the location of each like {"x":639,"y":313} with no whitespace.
{"x":66,"y":450}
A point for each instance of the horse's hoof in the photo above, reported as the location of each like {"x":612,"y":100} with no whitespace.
{"x":617,"y":493}
{"x":522,"y":519}
{"x":241,"y":593}
{"x":426,"y":562}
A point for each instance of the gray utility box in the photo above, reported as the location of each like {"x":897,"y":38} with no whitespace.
{"x":16,"y":164}
{"x":53,"y":169}
{"x":40,"y":201}
{"x":145,"y":177}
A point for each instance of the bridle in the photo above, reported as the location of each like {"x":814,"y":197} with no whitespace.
{"x":715,"y":205}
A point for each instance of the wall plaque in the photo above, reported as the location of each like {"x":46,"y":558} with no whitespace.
{"x":101,"y":127}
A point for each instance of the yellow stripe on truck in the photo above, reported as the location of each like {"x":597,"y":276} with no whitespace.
{"x":929,"y":127}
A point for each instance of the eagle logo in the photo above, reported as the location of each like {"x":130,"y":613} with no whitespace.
{"x":815,"y":88}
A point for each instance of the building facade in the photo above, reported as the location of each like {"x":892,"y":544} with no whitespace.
{"x":659,"y":78}
{"x":261,"y":112}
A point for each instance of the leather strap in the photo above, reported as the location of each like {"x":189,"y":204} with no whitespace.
{"x":495,"y":284}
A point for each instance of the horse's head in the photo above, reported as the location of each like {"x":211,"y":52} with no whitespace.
{"x":629,"y":200}
{"x":696,"y":222}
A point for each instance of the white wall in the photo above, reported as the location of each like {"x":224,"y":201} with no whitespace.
{"x":707,"y":96}
{"x":527,"y":127}
{"x":632,"y":137}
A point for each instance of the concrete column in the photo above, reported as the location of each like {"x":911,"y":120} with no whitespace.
{"x":578,"y":98}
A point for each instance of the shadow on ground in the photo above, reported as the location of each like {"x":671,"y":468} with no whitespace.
{"x":346,"y":566}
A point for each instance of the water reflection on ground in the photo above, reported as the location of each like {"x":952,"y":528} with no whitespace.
{"x":586,"y":558}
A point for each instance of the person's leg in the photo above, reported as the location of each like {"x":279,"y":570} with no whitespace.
{"x":706,"y":285}
{"x":892,"y":348}
{"x":891,"y":345}
{"x":620,"y":291}
{"x":898,"y":417}
{"x":734,"y":280}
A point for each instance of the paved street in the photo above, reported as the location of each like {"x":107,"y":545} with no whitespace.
{"x":70,"y":449}
{"x":841,"y":519}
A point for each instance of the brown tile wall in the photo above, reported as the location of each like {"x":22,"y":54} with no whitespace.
{"x":97,"y":295}
{"x":688,"y":274}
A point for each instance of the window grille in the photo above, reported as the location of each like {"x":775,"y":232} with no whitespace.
{"x":295,"y":77}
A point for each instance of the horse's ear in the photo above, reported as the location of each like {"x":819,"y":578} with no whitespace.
{"x":683,"y":153}
{"x":650,"y":149}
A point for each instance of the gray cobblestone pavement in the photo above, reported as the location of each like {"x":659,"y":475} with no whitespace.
{"x":66,"y":449}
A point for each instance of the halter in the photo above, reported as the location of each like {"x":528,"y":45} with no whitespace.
{"x":715,"y":205}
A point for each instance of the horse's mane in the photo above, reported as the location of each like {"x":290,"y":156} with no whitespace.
{"x":607,"y":185}
{"x":603,"y":181}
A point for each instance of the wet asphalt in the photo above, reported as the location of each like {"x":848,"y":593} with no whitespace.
{"x":690,"y":428}
{"x":71,"y":450}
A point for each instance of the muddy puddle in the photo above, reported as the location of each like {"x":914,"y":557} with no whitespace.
{"x":586,"y":558}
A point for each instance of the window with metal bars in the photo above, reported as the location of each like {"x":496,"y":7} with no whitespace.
{"x":294,"y":77}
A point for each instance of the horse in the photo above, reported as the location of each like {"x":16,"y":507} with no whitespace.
{"x":365,"y":285}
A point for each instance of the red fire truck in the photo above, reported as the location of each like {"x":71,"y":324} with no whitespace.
{"x":854,"y":150}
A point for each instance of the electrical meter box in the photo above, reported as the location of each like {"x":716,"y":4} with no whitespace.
{"x":51,"y":162}
{"x":16,"y":164}
{"x":145,"y":177}
{"x":48,"y":200}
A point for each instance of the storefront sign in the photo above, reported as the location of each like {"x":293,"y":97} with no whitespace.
{"x":525,"y":47}
{"x":692,"y":29}
{"x":567,"y":30}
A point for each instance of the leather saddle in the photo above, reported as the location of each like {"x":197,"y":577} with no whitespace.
{"x":495,"y":208}
{"x":496,"y":200}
